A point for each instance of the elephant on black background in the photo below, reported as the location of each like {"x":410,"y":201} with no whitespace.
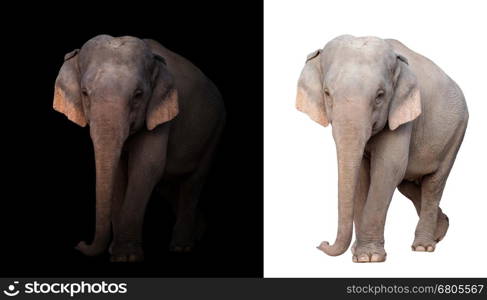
{"x":153,"y":117}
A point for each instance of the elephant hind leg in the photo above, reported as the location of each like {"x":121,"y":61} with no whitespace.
{"x":433,"y":223}
{"x":413,"y":192}
{"x":442,"y":225}
{"x":190,"y":223}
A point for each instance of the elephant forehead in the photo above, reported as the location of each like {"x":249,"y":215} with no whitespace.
{"x":346,"y":73}
{"x":370,"y":56}
{"x":107,"y":41}
{"x":123,"y":50}
{"x":369,"y":50}
{"x":112,"y":62}
{"x":109,"y":69}
{"x":110,"y":75}
{"x":366,"y":41}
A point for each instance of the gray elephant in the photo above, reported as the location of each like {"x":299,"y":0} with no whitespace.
{"x":153,"y":117}
{"x":398,"y":121}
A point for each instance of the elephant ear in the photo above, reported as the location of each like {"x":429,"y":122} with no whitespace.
{"x":163,"y":104}
{"x":67,"y":91}
{"x":406,"y":102}
{"x":309,"y":98}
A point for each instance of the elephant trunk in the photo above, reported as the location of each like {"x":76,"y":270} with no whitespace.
{"x":108,"y":142}
{"x":350,"y":143}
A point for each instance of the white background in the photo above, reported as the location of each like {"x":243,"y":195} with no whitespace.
{"x":300,"y":158}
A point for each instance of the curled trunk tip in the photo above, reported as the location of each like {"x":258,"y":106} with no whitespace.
{"x":334,"y":250}
{"x":91,"y":250}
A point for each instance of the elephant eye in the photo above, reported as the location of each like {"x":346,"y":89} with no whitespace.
{"x":138,"y":93}
{"x":379,"y":97}
{"x":84,"y":91}
{"x":328,"y":98}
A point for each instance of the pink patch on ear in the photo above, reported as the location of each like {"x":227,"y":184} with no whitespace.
{"x":407,"y":111}
{"x":165,"y":111}
{"x":66,"y":107}
{"x":315,"y":112}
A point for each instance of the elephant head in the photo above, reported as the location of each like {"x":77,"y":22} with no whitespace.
{"x":359,"y":85}
{"x":117,"y":86}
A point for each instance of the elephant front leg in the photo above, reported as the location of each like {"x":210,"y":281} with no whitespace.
{"x":120,"y":186}
{"x":127,"y":243}
{"x":388,"y":164}
{"x":146,"y":163}
{"x":361,"y":193}
{"x":369,"y":246}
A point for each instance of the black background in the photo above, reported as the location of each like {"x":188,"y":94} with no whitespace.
{"x":48,"y":201}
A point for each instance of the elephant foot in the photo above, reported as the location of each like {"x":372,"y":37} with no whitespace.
{"x":422,"y":244}
{"x":185,"y":235}
{"x":370,"y":252}
{"x":441,"y":226}
{"x":183,"y":240}
{"x":126,"y":252}
{"x":181,"y":248}
{"x":354,"y":246}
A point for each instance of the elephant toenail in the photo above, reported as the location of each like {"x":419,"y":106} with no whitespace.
{"x":364,"y":258}
{"x":376,"y":258}
{"x":115,"y":258}
{"x":420,"y":248}
{"x":132,"y":258}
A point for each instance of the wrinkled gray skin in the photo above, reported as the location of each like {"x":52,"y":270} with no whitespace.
{"x":154,"y":117}
{"x":398,"y":121}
